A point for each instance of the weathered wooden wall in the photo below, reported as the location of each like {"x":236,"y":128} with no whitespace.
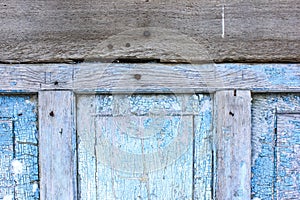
{"x":172,"y":30}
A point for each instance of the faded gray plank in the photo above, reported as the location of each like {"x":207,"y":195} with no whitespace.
{"x":288,"y":156}
{"x":19,"y":174}
{"x":264,"y":111}
{"x":149,"y":78}
{"x":140,"y":146}
{"x":87,"y":164}
{"x":57,"y":145}
{"x":233,"y":144}
{"x":56,"y":31}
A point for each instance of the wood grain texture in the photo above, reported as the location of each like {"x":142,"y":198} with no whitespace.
{"x":150,"y":78}
{"x":233,"y":141}
{"x":57,"y":145}
{"x":270,"y":128}
{"x":70,"y":31}
{"x":144,"y":146}
{"x":19,"y":173}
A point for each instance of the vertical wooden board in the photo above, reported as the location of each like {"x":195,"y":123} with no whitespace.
{"x":288,"y":156}
{"x":18,"y":147}
{"x":86,"y":108}
{"x":264,"y":110}
{"x":137,"y":159}
{"x":57,"y":145}
{"x":6,"y":158}
{"x":233,"y":136}
{"x":203,"y":157}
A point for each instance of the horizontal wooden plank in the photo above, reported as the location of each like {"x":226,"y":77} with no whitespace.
{"x":149,"y":78}
{"x":171,"y":31}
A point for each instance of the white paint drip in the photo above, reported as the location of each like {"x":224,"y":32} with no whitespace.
{"x":256,"y":198}
{"x":223,"y":21}
{"x":17,"y":167}
{"x":8,"y":197}
{"x":35,"y":187}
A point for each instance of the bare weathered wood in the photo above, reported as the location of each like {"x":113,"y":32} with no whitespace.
{"x":144,"y":146}
{"x":149,"y":78}
{"x":19,"y":174}
{"x":57,"y":145}
{"x":173,"y":31}
{"x":274,"y":124}
{"x":233,"y":144}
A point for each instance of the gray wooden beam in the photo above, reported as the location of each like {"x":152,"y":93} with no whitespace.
{"x":233,"y":144}
{"x":57,"y":145}
{"x":171,"y":31}
{"x":149,"y":78}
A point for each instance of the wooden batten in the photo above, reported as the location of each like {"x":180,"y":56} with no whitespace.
{"x":57,"y":145}
{"x":233,"y":144}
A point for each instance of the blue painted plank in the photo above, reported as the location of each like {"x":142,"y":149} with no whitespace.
{"x":19,"y":147}
{"x":288,"y":156}
{"x":265,"y":109}
{"x":145,"y":147}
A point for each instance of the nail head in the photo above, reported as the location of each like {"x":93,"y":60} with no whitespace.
{"x":137,"y":76}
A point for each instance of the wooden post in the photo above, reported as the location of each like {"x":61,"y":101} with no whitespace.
{"x":233,"y":143}
{"x":57,"y":145}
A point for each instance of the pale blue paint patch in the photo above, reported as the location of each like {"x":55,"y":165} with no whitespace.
{"x":148,"y":146}
{"x":20,"y":163}
{"x":288,"y":156}
{"x":13,"y":83}
{"x":275,"y":74}
{"x":265,"y":184}
{"x":203,"y":155}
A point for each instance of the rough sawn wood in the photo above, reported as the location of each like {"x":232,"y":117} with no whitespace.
{"x":171,"y":31}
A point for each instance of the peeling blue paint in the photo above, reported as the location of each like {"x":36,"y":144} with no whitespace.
{"x":164,"y":142}
{"x":276,"y":74}
{"x":19,"y":164}
{"x":270,"y":158}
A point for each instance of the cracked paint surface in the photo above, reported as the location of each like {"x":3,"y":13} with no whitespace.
{"x":275,"y":145}
{"x":18,"y":147}
{"x":145,"y":146}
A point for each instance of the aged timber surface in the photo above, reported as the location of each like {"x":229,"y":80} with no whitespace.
{"x":144,"y":146}
{"x":182,"y":31}
{"x":233,"y":136}
{"x":149,"y":78}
